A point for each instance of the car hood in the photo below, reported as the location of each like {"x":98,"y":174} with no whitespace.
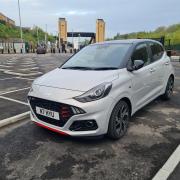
{"x":77,"y":80}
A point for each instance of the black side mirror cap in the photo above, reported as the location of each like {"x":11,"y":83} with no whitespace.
{"x":137,"y":65}
{"x":169,"y":53}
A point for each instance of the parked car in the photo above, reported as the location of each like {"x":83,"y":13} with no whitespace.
{"x":98,"y":89}
{"x":41,"y":50}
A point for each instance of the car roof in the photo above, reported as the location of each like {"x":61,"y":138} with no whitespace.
{"x":128,"y":41}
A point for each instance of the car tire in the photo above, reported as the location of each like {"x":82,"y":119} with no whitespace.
{"x":169,"y":89}
{"x":119,"y":120}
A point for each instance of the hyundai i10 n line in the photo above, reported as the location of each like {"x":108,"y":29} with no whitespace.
{"x":98,"y":89}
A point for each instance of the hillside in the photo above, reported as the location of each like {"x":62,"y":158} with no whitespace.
{"x":29,"y":35}
{"x":171,"y":33}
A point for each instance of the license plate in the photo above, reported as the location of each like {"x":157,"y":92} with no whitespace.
{"x":47,"y":113}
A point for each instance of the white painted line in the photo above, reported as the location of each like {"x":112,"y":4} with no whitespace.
{"x":30,"y":68}
{"x":14,"y":91}
{"x":5,"y":66}
{"x":7,"y":78}
{"x":25,"y":78}
{"x":21,"y":74}
{"x":169,"y":166}
{"x":17,"y":101}
{"x":14,"y":119}
{"x":30,"y":65}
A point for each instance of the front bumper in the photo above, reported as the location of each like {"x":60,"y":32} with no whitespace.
{"x":99,"y":111}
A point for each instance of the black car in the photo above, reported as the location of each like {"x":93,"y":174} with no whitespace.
{"x":41,"y":50}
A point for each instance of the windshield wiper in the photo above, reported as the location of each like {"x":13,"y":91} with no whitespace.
{"x":90,"y":68}
{"x":106,"y":68}
{"x":78,"y":67}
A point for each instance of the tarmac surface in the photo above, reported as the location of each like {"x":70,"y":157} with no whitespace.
{"x":30,"y":152}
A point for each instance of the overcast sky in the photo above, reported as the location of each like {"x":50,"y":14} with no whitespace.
{"x":121,"y":16}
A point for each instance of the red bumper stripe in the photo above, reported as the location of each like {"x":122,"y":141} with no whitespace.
{"x":52,"y":129}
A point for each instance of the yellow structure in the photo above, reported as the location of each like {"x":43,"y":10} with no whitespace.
{"x":99,"y":36}
{"x":62,"y":30}
{"x":7,"y":20}
{"x":100,"y":30}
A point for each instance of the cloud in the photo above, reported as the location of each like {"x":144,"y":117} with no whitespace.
{"x":120,"y":15}
{"x":74,"y":13}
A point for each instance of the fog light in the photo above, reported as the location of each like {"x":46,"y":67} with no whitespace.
{"x":83,"y":125}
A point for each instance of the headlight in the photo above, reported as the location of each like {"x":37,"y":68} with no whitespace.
{"x":96,"y":93}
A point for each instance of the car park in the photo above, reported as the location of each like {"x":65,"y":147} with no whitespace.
{"x":98,"y":89}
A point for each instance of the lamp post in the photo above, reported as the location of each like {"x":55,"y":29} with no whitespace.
{"x":21,"y":34}
{"x":45,"y":38}
{"x":37,"y":32}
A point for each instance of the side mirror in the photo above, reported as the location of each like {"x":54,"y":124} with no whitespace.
{"x":169,"y":53}
{"x":137,"y":65}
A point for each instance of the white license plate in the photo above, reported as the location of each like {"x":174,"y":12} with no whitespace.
{"x":47,"y":113}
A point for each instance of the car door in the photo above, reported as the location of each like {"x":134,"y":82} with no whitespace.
{"x":157,"y":68}
{"x":141,"y":78}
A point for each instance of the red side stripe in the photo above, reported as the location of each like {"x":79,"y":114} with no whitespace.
{"x":52,"y":129}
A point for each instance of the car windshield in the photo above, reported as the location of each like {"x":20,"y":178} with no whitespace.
{"x":98,"y":57}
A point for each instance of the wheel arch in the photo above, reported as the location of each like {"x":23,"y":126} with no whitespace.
{"x":172,"y":75}
{"x":127,"y":100}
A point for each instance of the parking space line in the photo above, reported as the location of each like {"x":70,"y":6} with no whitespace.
{"x":14,"y":91}
{"x":17,"y":101}
{"x":5,"y":66}
{"x":7,"y":78}
{"x":169,"y":166}
{"x":30,"y":68}
{"x":14,"y":119}
{"x":21,"y":74}
{"x":24,"y":78}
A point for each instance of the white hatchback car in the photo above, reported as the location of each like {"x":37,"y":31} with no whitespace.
{"x":98,"y":89}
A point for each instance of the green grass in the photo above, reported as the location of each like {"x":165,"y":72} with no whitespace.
{"x":171,"y":32}
{"x":29,"y":35}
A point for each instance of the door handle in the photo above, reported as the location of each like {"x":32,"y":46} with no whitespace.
{"x":152,"y":70}
{"x":167,"y":63}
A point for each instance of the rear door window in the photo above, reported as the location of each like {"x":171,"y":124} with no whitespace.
{"x":141,"y":53}
{"x":156,"y":50}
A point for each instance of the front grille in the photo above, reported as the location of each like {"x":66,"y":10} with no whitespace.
{"x":65,"y":111}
